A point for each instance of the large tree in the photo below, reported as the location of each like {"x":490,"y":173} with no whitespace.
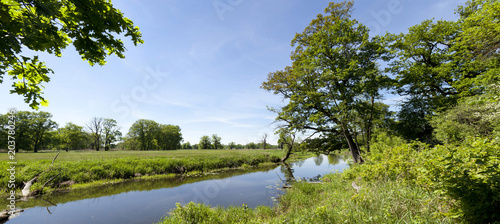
{"x":144,"y":132}
{"x":263,"y":140}
{"x":22,"y":130}
{"x":438,"y":62}
{"x":333,"y":71}
{"x":205,"y":142}
{"x":41,"y":123}
{"x":216,"y":141}
{"x":31,"y":129}
{"x":72,"y":137}
{"x":479,"y":40}
{"x":111,"y":132}
{"x":169,"y":137}
{"x":92,"y":26}
{"x":426,"y":74}
{"x":96,"y":129}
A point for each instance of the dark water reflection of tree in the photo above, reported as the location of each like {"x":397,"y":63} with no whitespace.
{"x":318,"y":160}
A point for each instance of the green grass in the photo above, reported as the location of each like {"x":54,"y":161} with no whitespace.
{"x":102,"y":188}
{"x":85,"y":167}
{"x":106,"y":155}
{"x":333,"y":201}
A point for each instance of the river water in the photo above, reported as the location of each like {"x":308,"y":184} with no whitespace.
{"x":147,"y":201}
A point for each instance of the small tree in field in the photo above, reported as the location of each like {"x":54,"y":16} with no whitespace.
{"x":216,"y":141}
{"x":205,"y":143}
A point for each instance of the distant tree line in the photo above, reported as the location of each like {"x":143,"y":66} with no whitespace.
{"x":36,"y":131}
{"x":214,"y":142}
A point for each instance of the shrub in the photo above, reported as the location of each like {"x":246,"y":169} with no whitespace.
{"x":476,"y":116}
{"x":470,"y":174}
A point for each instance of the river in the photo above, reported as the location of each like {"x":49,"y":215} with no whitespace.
{"x":147,"y":201}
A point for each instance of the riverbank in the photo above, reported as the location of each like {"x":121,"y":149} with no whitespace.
{"x":398,"y":183}
{"x":333,"y":201}
{"x":83,"y":169}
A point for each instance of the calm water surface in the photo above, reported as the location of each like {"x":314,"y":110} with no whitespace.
{"x":149,"y":201}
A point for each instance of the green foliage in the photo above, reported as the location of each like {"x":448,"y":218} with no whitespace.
{"x":413,"y":120}
{"x":144,"y":131}
{"x":333,"y":201}
{"x":31,"y":129}
{"x":333,"y":75}
{"x":231,"y":145}
{"x":478,"y":43}
{"x":399,"y":163}
{"x":216,"y":142}
{"x":325,"y":144}
{"x":468,"y":174}
{"x":200,"y":213}
{"x":187,"y":145}
{"x":50,"y":26}
{"x":92,"y":167}
{"x":436,"y":63}
{"x":205,"y":142}
{"x":477,"y":116}
{"x":252,"y":145}
{"x":72,"y":137}
{"x":149,"y":135}
{"x":169,"y":137}
{"x":111,"y":132}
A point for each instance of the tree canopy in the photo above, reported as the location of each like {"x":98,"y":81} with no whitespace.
{"x":92,"y":27}
{"x":333,"y":75}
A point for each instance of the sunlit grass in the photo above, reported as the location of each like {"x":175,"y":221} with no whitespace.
{"x":85,"y":168}
{"x":334,"y":201}
{"x":92,"y":155}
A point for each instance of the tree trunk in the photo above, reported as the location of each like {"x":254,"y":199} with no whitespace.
{"x":369,"y":129}
{"x":352,"y":146}
{"x":36,"y":146}
{"x":289,"y":151}
{"x":97,"y":143}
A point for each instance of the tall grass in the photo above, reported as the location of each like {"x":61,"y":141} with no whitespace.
{"x":86,"y":167}
{"x":334,"y":201}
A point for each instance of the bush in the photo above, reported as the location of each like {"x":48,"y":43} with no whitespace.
{"x":395,"y":163}
{"x":470,"y":174}
{"x":477,"y":116}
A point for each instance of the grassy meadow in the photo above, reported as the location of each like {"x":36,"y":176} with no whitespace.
{"x":117,"y":154}
{"x":88,"y":167}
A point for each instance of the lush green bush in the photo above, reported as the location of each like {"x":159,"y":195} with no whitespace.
{"x":469,"y":174}
{"x":476,"y":116}
{"x":399,"y":163}
{"x":466,"y":176}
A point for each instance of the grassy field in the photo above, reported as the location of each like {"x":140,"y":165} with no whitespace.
{"x":107,"y":155}
{"x":82,"y":167}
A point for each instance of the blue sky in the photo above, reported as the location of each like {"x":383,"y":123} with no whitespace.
{"x":201,"y":66}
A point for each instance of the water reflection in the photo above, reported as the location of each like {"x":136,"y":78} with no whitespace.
{"x":318,"y":160}
{"x":288,"y":172}
{"x":148,"y":201}
{"x":335,"y":159}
